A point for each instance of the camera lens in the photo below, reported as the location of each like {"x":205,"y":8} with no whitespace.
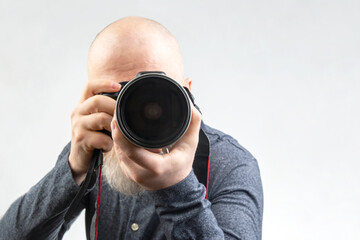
{"x":153,"y":111}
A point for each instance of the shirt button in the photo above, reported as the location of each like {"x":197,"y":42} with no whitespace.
{"x":134,"y":227}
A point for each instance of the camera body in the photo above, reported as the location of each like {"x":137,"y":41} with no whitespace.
{"x":152,"y":110}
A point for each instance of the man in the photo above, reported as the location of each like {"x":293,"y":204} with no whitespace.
{"x":166,"y":200}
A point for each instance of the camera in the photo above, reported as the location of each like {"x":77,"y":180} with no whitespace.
{"x":152,"y":110}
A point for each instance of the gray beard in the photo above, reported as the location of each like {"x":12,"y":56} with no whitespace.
{"x":116,"y":178}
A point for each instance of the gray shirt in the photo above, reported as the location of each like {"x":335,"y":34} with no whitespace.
{"x":233,"y":209}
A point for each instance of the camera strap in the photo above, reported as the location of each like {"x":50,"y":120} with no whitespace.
{"x":201,"y":164}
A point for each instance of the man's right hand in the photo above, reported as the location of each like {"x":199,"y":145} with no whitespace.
{"x":93,"y":114}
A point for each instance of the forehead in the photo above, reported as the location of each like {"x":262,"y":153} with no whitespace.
{"x":125,"y":68}
{"x":122,"y":54}
{"x":124,"y":65}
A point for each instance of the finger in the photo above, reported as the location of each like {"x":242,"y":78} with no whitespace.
{"x":96,"y":140}
{"x":98,"y":103}
{"x":119,"y":138}
{"x":99,"y":86}
{"x":97,"y":121}
{"x":191,"y":137}
{"x":133,"y":170}
{"x":139,"y":155}
{"x":147,"y":179}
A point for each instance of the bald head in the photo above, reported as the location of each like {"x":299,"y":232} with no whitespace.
{"x":131,"y":45}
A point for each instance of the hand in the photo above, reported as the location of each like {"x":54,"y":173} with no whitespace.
{"x":152,"y":170}
{"x":92,"y":114}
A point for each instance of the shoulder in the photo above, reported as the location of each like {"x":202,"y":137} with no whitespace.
{"x":231,"y":164}
{"x":225,"y":146}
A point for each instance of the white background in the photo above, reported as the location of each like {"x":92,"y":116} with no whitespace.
{"x":283,"y":77}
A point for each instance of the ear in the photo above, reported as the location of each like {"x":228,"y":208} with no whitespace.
{"x":187,"y":83}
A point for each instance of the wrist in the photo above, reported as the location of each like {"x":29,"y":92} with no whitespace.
{"x":77,"y":172}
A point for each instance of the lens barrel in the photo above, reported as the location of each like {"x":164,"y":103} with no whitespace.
{"x":153,"y":110}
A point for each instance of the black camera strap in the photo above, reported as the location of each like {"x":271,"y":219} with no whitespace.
{"x":201,"y":164}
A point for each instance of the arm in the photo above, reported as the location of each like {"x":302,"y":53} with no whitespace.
{"x":236,"y":196}
{"x":185,"y":213}
{"x":39,"y":213}
{"x":234,"y":209}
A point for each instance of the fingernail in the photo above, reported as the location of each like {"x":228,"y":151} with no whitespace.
{"x":115,"y":85}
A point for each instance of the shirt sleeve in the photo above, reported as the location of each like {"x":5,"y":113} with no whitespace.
{"x":39,"y":213}
{"x":235,"y":190}
{"x":235,"y":205}
{"x":184,"y":212}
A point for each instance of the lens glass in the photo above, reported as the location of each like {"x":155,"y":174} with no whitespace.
{"x":154,"y":111}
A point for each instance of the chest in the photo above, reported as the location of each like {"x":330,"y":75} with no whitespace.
{"x":125,"y":217}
